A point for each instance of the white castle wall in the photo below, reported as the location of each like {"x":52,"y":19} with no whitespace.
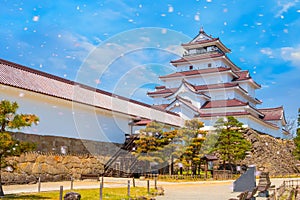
{"x":65,"y":118}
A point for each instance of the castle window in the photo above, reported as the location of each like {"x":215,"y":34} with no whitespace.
{"x":191,"y":67}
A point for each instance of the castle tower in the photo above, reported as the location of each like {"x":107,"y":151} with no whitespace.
{"x":208,"y":85}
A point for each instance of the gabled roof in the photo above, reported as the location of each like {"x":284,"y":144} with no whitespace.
{"x":223,"y":103}
{"x":184,"y":101}
{"x":196,"y":72}
{"x":202,"y":39}
{"x":190,"y":88}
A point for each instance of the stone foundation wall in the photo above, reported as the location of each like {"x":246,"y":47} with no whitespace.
{"x":56,"y":159}
{"x":50,"y":167}
{"x":272,"y":154}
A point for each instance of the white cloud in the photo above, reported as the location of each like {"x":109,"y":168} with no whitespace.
{"x":267,"y":51}
{"x":284,"y":7}
{"x":291,"y":54}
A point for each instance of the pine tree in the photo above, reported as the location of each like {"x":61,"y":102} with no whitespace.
{"x":193,"y":138}
{"x":159,"y":143}
{"x":232,"y":145}
{"x":9,"y":119}
{"x":155,"y":144}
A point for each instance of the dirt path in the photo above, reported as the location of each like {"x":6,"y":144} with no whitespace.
{"x":208,"y":191}
{"x":203,"y":190}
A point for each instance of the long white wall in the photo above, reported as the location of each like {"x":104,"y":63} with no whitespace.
{"x":60,"y":117}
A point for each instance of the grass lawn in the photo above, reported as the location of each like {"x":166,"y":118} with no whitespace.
{"x":86,"y":194}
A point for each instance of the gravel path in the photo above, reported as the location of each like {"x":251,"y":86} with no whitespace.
{"x":202,"y":190}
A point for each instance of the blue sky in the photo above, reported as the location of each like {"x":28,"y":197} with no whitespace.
{"x":70,"y":38}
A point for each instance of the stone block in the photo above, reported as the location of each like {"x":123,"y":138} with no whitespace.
{"x":72,"y":196}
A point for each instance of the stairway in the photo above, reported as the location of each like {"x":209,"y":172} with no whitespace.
{"x":122,"y":163}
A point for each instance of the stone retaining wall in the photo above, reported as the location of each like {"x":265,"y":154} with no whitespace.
{"x":50,"y":167}
{"x":56,"y":159}
{"x":272,"y":154}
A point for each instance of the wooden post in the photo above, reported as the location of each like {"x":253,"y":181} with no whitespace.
{"x":148,"y":186}
{"x":102,"y":180}
{"x":61,"y":190}
{"x":101,"y":190}
{"x":39,"y":184}
{"x":72,"y":183}
{"x":128,"y":188}
{"x":155,"y":183}
{"x":133,"y":182}
{"x":206,"y":167}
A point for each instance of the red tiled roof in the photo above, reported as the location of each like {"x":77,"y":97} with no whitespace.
{"x":223,"y":103}
{"x":161,"y":106}
{"x":196,"y":72}
{"x":22,"y":77}
{"x":142,"y":122}
{"x":164,"y":91}
{"x":197,"y":57}
{"x":243,"y":75}
{"x":160,"y":87}
{"x":272,"y":113}
{"x":223,"y":114}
